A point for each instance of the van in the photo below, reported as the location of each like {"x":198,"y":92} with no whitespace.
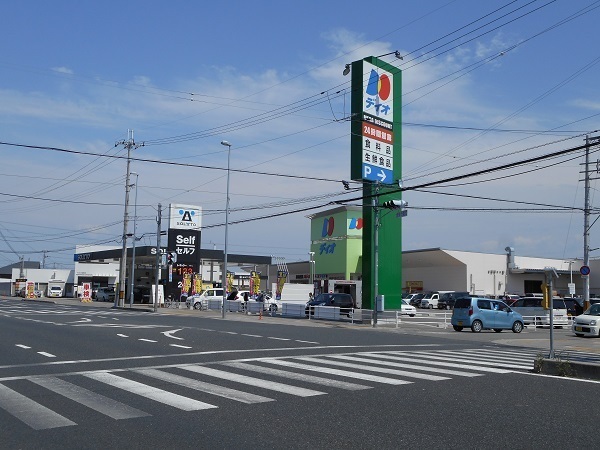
{"x":533,"y":312}
{"x":196,"y":301}
{"x":485,"y":314}
{"x":431,"y":299}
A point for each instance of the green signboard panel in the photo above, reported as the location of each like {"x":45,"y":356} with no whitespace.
{"x":376,"y":160}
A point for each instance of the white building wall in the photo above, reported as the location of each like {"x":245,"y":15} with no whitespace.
{"x":441,"y":278}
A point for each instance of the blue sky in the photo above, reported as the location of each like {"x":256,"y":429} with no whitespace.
{"x":78,"y":75}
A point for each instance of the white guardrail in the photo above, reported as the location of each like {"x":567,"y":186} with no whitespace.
{"x":394,"y":318}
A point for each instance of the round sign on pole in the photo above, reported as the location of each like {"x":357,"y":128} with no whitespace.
{"x":584,"y":270}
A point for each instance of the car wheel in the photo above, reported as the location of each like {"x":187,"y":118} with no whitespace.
{"x":273,"y":308}
{"x":457,"y":328}
{"x":447,"y":307}
{"x":578,"y":334}
{"x":497,"y":330}
{"x":198,"y":305}
{"x":517,"y":327}
{"x":411,"y":315}
{"x":476,"y":326}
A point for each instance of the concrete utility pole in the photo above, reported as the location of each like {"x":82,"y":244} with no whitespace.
{"x":158,"y":257}
{"x":129,"y":144}
{"x":589,"y":141}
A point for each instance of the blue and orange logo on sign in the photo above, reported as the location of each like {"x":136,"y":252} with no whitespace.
{"x":378,"y":92}
{"x":379,"y":85}
{"x":328,"y":226}
{"x":356,"y":224}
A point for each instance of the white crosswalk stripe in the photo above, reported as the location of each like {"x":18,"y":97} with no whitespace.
{"x":168,"y":398}
{"x":97,"y":402}
{"x":329,"y":371}
{"x":406,"y":366}
{"x":202,"y":386}
{"x":298,"y":376}
{"x":402,"y":373}
{"x":271,"y":385}
{"x":32,"y":413}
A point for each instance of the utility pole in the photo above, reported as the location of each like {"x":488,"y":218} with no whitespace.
{"x":158,"y":257}
{"x":44,"y":259}
{"x":589,"y":141}
{"x":129,"y":144}
{"x":376,"y":255}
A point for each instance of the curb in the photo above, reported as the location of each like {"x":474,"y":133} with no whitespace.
{"x":566,"y":368}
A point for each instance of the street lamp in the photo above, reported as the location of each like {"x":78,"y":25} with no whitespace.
{"x":132,"y":273}
{"x":224,"y":274}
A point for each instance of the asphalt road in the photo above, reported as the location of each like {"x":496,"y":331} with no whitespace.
{"x":87,"y":376}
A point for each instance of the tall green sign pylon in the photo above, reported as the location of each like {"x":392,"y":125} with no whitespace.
{"x":376,"y":160}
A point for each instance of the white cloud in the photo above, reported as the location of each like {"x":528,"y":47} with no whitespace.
{"x":64,"y":70}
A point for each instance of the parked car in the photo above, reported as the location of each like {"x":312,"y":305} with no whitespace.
{"x":574,"y":306}
{"x":509,"y":299}
{"x":196,"y":301}
{"x":414,"y":298}
{"x":447,"y":299}
{"x":485,"y":314}
{"x":343,"y":301}
{"x":533,"y":312}
{"x":407,"y":309}
{"x":105,"y":294}
{"x":588,"y":323}
{"x":430,"y":300}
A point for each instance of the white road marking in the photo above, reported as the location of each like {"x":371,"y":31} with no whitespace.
{"x":168,"y":398}
{"x":32,"y":413}
{"x":97,"y":402}
{"x":228,"y":332}
{"x":298,"y":376}
{"x":252,"y":335}
{"x":411,"y":358}
{"x":278,"y":338}
{"x":22,"y":346}
{"x":169,"y":334}
{"x":49,"y":355}
{"x":475,"y":362}
{"x":122,"y":335}
{"x":401,"y":373}
{"x":357,"y":358}
{"x":342,"y":373}
{"x":84,"y":320}
{"x":271,"y":385}
{"x":179,"y":346}
{"x":146,"y":340}
{"x":306,"y":342}
{"x":209,"y":388}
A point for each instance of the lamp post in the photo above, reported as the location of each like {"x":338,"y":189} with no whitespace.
{"x":132,"y":273}
{"x":311,"y":268}
{"x":224,"y":274}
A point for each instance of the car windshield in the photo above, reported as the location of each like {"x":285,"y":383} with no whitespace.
{"x":593,"y":310}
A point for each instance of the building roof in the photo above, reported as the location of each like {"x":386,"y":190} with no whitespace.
{"x":7,"y":270}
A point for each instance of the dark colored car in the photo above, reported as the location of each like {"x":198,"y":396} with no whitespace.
{"x":447,"y":299}
{"x":343,"y":301}
{"x":574,"y":306}
{"x":415,"y":299}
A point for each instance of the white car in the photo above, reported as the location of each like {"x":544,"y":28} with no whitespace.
{"x":408,"y":310}
{"x":588,"y":323}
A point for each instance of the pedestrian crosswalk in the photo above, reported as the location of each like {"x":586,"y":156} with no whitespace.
{"x":199,"y":387}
